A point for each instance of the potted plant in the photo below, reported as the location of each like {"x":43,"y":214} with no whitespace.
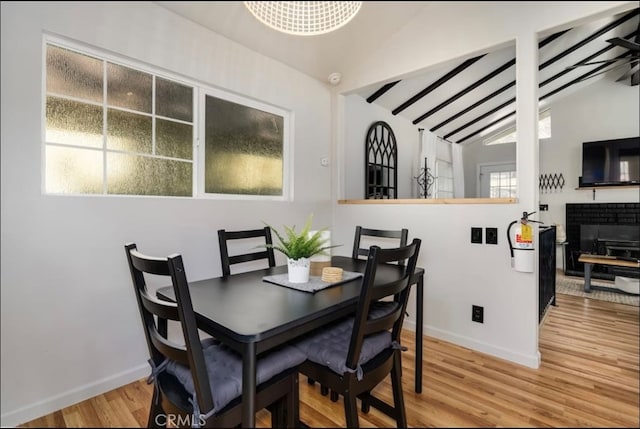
{"x":299,"y":247}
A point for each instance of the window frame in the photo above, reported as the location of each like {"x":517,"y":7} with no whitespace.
{"x":200,"y":89}
{"x":255,"y":104}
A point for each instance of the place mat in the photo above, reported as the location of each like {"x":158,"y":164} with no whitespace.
{"x":313,"y":285}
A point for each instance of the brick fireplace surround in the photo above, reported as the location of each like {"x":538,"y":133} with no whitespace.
{"x":602,"y":228}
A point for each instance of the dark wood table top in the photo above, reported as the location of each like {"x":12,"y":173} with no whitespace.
{"x":242,"y":308}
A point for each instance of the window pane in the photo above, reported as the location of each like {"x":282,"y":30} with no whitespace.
{"x":73,"y":74}
{"x":243,"y":149}
{"x":128,"y":131}
{"x":173,"y":139}
{"x":174,"y":100}
{"x":73,"y":171}
{"x":141,"y":175}
{"x":73,"y":123}
{"x":128,"y":88}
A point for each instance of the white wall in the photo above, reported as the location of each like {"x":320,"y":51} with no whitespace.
{"x":602,"y":111}
{"x":477,"y":153}
{"x":460,"y":274}
{"x":360,"y":115}
{"x":70,"y":324}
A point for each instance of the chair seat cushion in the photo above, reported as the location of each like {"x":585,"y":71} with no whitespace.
{"x":329,"y":347}
{"x":224,"y":367}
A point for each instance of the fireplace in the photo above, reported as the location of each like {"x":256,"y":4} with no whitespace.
{"x":611,"y":229}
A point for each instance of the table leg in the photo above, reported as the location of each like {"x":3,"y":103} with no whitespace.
{"x":587,"y":276}
{"x":249,"y":386}
{"x":419,"y":328}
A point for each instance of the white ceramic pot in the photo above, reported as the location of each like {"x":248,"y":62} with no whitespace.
{"x":299,"y":270}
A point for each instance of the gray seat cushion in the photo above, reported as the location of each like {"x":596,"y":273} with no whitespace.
{"x":330,"y":346}
{"x":224,"y":366}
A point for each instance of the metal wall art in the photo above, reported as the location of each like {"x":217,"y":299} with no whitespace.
{"x":551,"y":182}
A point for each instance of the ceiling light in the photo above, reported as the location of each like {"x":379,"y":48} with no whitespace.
{"x":304,"y":18}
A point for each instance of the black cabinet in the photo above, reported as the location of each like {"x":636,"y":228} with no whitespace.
{"x":546,"y":269}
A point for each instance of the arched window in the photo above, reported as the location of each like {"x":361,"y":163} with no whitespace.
{"x":381,"y":158}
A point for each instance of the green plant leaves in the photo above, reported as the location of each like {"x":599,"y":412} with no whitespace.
{"x":300,"y":245}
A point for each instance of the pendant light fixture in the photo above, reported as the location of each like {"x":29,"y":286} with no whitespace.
{"x":304,"y":18}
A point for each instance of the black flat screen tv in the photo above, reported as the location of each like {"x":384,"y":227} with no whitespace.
{"x":611,"y":162}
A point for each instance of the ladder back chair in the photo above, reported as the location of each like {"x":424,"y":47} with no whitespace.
{"x":200,"y":383}
{"x":402,"y":235}
{"x":227,"y":260}
{"x":353,"y":356}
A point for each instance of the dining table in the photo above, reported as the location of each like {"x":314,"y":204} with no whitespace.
{"x":253,"y":316}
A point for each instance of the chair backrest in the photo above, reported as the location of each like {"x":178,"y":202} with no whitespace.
{"x":226,"y":260}
{"x":362,"y":250}
{"x":383,"y":277}
{"x":154,"y":311}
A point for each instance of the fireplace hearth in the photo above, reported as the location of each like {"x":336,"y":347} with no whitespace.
{"x":611,"y":229}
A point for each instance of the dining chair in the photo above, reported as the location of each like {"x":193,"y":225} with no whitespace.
{"x":400,"y":238}
{"x":353,"y":356}
{"x":200,"y":383}
{"x":226,"y":260}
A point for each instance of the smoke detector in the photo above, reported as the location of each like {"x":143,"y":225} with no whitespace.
{"x":334,"y":78}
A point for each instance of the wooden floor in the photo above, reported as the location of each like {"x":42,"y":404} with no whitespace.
{"x":589,"y":377}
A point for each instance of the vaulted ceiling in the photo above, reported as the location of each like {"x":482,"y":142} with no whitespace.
{"x":466,"y":100}
{"x":461,"y":101}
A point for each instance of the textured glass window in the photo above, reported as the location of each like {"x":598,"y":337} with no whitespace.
{"x":73,"y":170}
{"x":141,"y":175}
{"x":129,"y":88}
{"x":174,"y":139}
{"x":174,"y":100}
{"x":128,"y":131}
{"x":75,"y":75}
{"x":243,"y":149}
{"x":73,"y":123}
{"x":127,"y":156}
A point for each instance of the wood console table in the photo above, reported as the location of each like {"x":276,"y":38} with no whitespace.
{"x":590,"y":260}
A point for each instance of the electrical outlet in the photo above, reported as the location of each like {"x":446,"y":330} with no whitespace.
{"x":476,"y":235}
{"x":491,"y":235}
{"x":477,"y":314}
{"x":544,"y":207}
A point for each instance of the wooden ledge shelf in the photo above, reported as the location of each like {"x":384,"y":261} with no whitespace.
{"x":434,"y":201}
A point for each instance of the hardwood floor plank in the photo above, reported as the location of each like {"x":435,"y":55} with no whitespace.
{"x":589,"y":377}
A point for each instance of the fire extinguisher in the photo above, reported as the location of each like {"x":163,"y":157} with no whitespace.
{"x":522,"y":254}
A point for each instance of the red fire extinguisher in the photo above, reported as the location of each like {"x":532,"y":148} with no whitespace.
{"x":522,"y":253}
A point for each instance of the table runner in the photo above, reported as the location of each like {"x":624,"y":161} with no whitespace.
{"x":313,"y":285}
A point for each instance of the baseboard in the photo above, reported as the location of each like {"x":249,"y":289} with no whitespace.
{"x":73,"y":396}
{"x":531,"y":361}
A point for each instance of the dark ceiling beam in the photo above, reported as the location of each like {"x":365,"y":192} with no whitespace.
{"x":555,"y":91}
{"x":551,"y":38}
{"x":584,"y":60}
{"x":481,"y":117}
{"x":546,"y":64}
{"x":373,"y":97}
{"x":436,"y":84}
{"x":474,"y":105}
{"x":582,"y":77}
{"x":502,"y":118}
{"x":465,"y":91}
{"x":499,"y":91}
{"x":594,"y":36}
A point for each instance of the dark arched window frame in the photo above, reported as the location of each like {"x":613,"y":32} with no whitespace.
{"x":381,"y":158}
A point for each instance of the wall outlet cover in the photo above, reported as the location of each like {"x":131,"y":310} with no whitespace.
{"x":491,"y":235}
{"x":477,"y":314}
{"x":476,"y":235}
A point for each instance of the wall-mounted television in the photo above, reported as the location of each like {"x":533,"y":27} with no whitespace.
{"x":611,"y":162}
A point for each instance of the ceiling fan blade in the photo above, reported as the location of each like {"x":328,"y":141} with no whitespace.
{"x":613,"y":60}
{"x":628,"y":74}
{"x":607,"y":70}
{"x":619,"y":41}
